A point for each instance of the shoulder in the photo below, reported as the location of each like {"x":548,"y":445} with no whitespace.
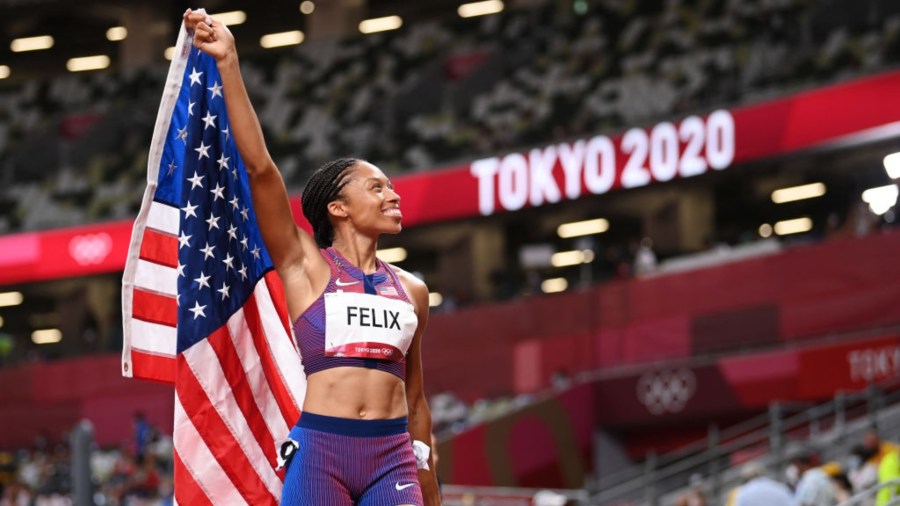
{"x":415,"y":288}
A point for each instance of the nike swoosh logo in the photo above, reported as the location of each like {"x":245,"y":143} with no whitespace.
{"x":399,"y":487}
{"x":340,"y":283}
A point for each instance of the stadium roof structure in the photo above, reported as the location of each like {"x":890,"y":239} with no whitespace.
{"x":80,"y":28}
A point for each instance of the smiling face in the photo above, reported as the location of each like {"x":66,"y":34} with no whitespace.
{"x":368,"y":202}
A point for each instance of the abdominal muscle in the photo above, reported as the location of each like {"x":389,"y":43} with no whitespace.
{"x":355,"y":392}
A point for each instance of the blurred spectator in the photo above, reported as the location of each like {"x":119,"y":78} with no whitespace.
{"x":142,"y":434}
{"x":867,"y":458}
{"x":644,"y":258}
{"x":843,"y":490}
{"x":144,"y":484}
{"x":814,"y":487}
{"x":760,"y":490}
{"x":889,"y":471}
{"x":876,"y":447}
{"x":446,"y":409}
{"x":863,"y":473}
{"x":696,"y":496}
{"x":16,"y":494}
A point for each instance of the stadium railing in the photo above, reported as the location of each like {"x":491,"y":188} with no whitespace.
{"x":829,"y":427}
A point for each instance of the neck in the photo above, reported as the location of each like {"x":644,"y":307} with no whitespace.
{"x":358,"y":250}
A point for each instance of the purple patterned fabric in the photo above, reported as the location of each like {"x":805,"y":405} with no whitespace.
{"x":342,"y":462}
{"x":309,"y":329}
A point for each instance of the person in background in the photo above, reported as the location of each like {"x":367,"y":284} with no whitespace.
{"x":142,"y":433}
{"x":875,"y":447}
{"x":761,"y":490}
{"x":814,"y":487}
{"x":843,"y":490}
{"x":696,"y":496}
{"x":863,"y":471}
{"x":889,"y":478}
{"x":644,"y":258}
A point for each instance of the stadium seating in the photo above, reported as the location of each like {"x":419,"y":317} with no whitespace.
{"x":74,"y":148}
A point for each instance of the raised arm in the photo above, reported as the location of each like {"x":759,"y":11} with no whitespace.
{"x":293,"y":251}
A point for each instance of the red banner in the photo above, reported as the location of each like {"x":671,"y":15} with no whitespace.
{"x":566,"y":171}
{"x":76,"y":251}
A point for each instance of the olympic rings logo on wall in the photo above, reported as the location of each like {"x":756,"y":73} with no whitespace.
{"x":90,"y":249}
{"x":666,"y":391}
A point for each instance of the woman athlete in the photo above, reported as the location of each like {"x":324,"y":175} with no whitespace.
{"x":358,"y":321}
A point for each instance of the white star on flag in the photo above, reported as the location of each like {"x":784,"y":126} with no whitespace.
{"x":216,"y":90}
{"x":183,"y":240}
{"x":223,"y":162}
{"x":203,"y":280}
{"x":203,"y":150}
{"x":218,"y":192}
{"x":196,"y":181}
{"x":208,"y":251}
{"x":210,"y":120}
{"x":213,"y":221}
{"x":195,"y":77}
{"x":189,"y":210}
{"x":198,"y":310}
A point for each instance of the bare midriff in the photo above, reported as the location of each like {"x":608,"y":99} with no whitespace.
{"x":355,"y":392}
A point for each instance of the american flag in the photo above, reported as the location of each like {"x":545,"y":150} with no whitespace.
{"x":203,"y":307}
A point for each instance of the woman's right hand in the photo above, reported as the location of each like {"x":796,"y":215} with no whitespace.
{"x":211,"y":37}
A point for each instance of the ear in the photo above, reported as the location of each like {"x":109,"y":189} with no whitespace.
{"x":337,"y":208}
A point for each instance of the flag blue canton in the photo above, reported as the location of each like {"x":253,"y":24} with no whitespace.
{"x":221,"y":255}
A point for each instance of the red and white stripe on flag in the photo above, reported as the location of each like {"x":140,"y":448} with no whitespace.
{"x":238,"y":390}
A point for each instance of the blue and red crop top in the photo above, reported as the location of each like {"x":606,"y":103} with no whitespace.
{"x":372,"y":306}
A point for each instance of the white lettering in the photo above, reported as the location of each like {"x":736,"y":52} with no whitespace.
{"x":693,"y":133}
{"x":485,"y":170}
{"x":599,"y":165}
{"x":664,"y":151}
{"x":720,"y":139}
{"x":636,"y":144}
{"x":572,"y":158}
{"x":542,"y":184}
{"x":874,"y":364}
{"x":513,"y":182}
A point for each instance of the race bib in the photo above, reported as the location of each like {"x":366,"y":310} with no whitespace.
{"x":368,"y":326}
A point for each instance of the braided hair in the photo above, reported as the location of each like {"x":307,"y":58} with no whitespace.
{"x":323,"y":187}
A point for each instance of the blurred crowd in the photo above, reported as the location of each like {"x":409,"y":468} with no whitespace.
{"x":138,"y":473}
{"x":450,"y":414}
{"x":809,"y":481}
{"x":74,"y":149}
